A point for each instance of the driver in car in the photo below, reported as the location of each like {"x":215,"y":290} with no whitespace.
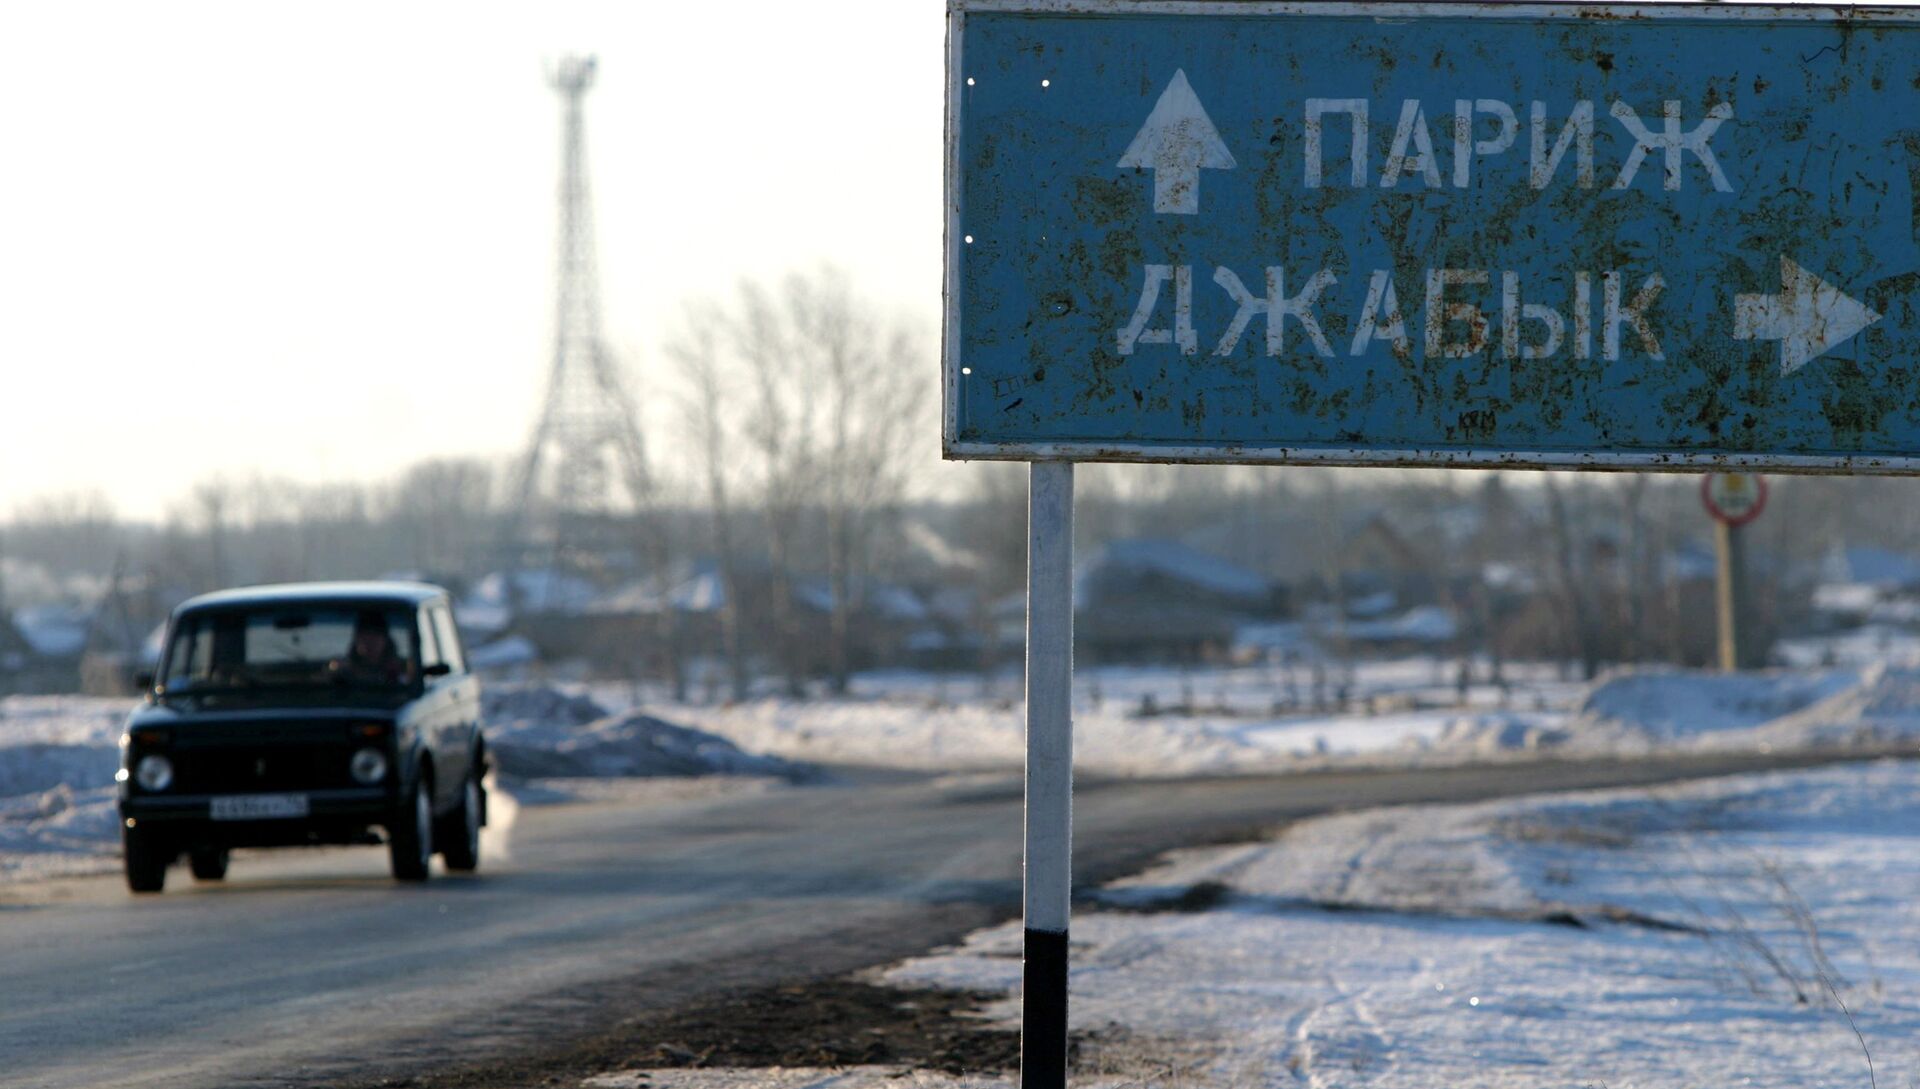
{"x":371,"y":656}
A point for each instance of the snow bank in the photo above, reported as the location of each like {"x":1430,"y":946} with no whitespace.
{"x":507,"y":708}
{"x":538,"y":731}
{"x":633,"y":744}
{"x":58,"y":831}
{"x":1730,"y":932}
{"x":1140,"y":720}
{"x":1647,"y":708}
{"x":1883,"y":706}
{"x":58,"y":755}
{"x":1500,"y":732}
{"x":982,"y":735}
{"x":1169,"y":721}
{"x":1646,"y":711}
{"x":1639,"y":712}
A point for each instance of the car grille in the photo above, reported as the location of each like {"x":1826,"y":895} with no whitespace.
{"x":251,"y":769}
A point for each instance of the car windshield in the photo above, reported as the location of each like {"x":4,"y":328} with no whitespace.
{"x":290,"y":647}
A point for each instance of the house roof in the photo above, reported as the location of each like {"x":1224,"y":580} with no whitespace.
{"x":52,"y":631}
{"x":1175,"y":562}
{"x":534,"y":590}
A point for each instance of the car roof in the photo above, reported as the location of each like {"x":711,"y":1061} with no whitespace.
{"x":302,"y":593}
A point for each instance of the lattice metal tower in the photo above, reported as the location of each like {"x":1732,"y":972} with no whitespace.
{"x":584,"y":473}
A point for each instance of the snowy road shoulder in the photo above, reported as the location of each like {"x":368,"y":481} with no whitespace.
{"x":1755,"y":931}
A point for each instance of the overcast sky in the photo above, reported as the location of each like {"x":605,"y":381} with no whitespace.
{"x":316,"y":241}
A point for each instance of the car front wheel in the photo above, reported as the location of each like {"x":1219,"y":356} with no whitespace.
{"x":147,"y":860}
{"x":410,"y":836}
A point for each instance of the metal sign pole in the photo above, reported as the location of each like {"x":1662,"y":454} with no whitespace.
{"x":1730,"y":592}
{"x":1049,"y":815}
{"x":1734,"y":500}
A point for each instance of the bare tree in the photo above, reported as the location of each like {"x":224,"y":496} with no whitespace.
{"x":1638,"y":572}
{"x":809,"y":403}
{"x":1576,"y":608}
{"x":994,"y":529}
{"x":697,"y":352}
{"x":874,"y":383}
{"x":211,"y":503}
{"x":782,"y":397}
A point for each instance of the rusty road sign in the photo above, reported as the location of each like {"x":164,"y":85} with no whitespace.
{"x":1658,"y":236}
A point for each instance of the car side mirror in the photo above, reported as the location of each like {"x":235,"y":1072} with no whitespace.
{"x":437,"y":669}
{"x":143,"y":680}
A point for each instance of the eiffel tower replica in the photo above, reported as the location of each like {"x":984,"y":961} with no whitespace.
{"x":583,"y":482}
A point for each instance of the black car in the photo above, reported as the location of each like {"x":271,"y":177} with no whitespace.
{"x":314,"y":713}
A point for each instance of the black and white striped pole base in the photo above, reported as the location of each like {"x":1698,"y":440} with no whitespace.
{"x":1048,"y":884}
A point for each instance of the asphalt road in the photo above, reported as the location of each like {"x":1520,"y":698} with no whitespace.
{"x":309,"y":968}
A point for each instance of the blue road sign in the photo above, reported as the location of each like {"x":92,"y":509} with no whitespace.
{"x":1547,"y":235}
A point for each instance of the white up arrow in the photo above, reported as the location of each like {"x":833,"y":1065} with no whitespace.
{"x":1808,"y":317}
{"x":1175,"y":143}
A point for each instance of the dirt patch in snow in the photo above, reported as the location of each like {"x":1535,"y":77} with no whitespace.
{"x":825,"y":1023}
{"x":1177,"y":900}
{"x":832,"y":1023}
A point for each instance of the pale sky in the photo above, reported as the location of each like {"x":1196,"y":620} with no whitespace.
{"x":316,"y":241}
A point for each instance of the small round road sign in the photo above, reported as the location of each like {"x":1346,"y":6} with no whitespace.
{"x":1734,"y":498}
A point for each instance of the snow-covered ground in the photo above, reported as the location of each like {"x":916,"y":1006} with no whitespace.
{"x":1164,"y":721}
{"x":1758,"y":931}
{"x":1144,"y":720}
{"x":57,"y":759}
{"x":57,"y":754}
{"x":1761,"y":931}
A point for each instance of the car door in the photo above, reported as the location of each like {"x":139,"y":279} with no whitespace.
{"x":461,"y":692}
{"x":438,"y":715}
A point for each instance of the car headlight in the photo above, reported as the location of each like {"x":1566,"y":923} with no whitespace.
{"x":369,"y":766}
{"x":154,"y":772}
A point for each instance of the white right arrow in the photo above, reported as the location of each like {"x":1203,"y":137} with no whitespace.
{"x":1177,"y":140}
{"x":1808,"y":317}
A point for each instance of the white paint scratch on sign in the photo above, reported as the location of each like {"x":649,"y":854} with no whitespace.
{"x":1177,"y":141}
{"x":1808,"y":317}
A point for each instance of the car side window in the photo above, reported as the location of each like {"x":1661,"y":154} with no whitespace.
{"x":448,"y":638}
{"x":429,"y":645}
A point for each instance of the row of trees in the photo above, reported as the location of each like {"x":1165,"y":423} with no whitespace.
{"x":1592,"y":569}
{"x":801,"y":405}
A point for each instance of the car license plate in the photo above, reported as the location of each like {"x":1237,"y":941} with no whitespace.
{"x":258,"y":807}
